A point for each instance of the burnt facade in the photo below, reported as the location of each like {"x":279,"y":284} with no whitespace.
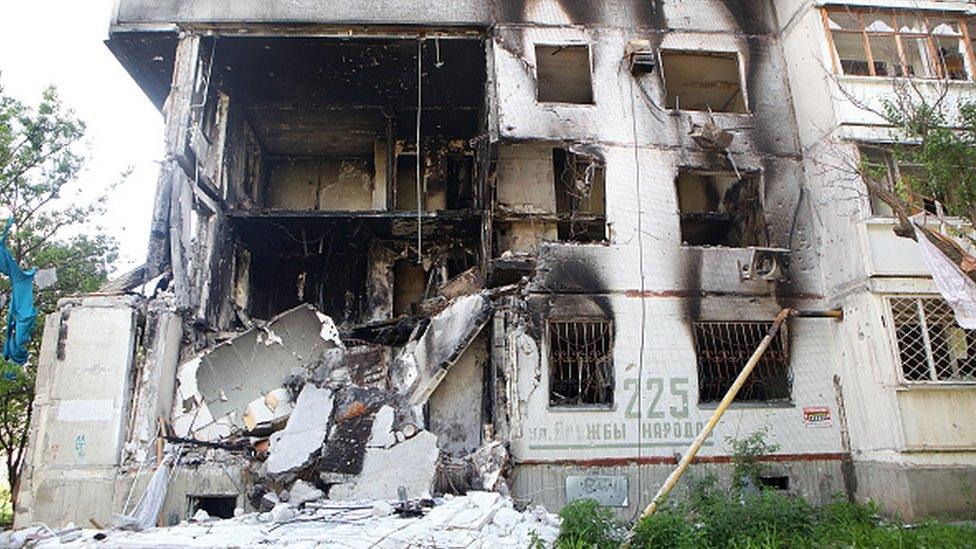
{"x":625,"y":185}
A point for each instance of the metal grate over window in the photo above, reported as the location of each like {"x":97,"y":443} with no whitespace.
{"x":723,"y":348}
{"x":580,"y":362}
{"x":931,"y":346}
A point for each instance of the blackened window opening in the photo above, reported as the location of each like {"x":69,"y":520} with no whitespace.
{"x":580,"y":196}
{"x":215,"y":506}
{"x":580,"y":362}
{"x":720,"y":209}
{"x":724,"y":348}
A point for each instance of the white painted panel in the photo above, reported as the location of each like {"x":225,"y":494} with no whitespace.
{"x":85,"y":410}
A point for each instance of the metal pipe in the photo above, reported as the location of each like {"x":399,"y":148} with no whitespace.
{"x":692,"y":451}
{"x":829,"y":313}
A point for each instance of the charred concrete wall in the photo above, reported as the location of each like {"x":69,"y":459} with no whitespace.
{"x":642,"y":277}
{"x":362,"y":158}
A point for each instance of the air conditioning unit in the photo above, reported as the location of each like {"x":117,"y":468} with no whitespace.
{"x":641,"y":57}
{"x":768,"y":264}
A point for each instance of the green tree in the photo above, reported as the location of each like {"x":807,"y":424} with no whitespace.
{"x":42,"y":153}
{"x":937,"y":139}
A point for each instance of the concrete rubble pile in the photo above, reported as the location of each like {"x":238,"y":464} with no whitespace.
{"x":317,"y":415}
{"x":478,"y":519}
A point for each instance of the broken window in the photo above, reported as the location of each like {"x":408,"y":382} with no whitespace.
{"x":702,"y":81}
{"x":720,"y":209}
{"x":215,"y":506}
{"x":899,"y":43}
{"x":580,"y":196}
{"x":882,"y":166}
{"x":724,"y":348}
{"x":931,"y":345}
{"x":563,"y":74}
{"x":580,"y":362}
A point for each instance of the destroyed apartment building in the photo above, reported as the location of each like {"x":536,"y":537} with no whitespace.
{"x":415,"y":248}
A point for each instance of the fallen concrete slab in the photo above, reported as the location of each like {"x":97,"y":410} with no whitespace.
{"x":411,"y":464}
{"x":352,"y":424}
{"x":436,"y":346}
{"x":303,"y":436}
{"x":236,"y":384}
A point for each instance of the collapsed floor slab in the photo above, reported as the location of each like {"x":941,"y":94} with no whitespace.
{"x":236,"y":385}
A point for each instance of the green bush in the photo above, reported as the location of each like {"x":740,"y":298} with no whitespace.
{"x":586,"y":525}
{"x":666,"y":528}
{"x":770,"y":519}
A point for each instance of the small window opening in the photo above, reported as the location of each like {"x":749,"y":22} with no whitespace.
{"x":580,"y":362}
{"x":703,"y":81}
{"x":580,"y":196}
{"x":215,"y":506}
{"x":719,"y":209}
{"x":723,"y":348}
{"x":931,"y":345}
{"x":776,"y":483}
{"x":563,"y":74}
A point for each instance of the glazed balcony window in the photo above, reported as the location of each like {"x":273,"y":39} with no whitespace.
{"x":891,"y":43}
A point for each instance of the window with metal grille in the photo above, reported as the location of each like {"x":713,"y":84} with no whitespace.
{"x":931,"y":346}
{"x":723,"y":348}
{"x":580,"y":362}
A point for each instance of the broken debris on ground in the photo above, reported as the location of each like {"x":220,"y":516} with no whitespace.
{"x":479,"y":519}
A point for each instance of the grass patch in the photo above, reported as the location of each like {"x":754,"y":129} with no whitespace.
{"x":586,"y":525}
{"x":745,"y":516}
{"x":768,"y":519}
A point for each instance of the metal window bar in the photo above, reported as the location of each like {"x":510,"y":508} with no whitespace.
{"x":580,"y":362}
{"x":723,"y":348}
{"x":931,"y":346}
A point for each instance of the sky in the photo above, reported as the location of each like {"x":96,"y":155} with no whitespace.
{"x":61,"y":42}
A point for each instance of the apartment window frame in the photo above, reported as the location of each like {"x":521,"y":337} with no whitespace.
{"x":929,"y":310}
{"x":734,"y":342}
{"x":581,"y":217}
{"x":902,"y":39}
{"x":536,"y":46}
{"x":585,"y":327}
{"x":734,"y":56}
{"x":720,"y":214}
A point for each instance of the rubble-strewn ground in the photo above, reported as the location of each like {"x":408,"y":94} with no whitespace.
{"x":479,"y":519}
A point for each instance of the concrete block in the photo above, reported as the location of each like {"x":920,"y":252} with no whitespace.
{"x":305,"y":432}
{"x":381,"y":435}
{"x":424,"y":362}
{"x":232,"y":375}
{"x":411,"y":464}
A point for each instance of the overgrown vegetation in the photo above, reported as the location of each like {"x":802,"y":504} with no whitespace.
{"x":42,"y":154}
{"x":742,"y":515}
{"x":934,"y":147}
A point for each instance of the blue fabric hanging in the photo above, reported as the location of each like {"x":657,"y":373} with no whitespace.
{"x":22,"y":314}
